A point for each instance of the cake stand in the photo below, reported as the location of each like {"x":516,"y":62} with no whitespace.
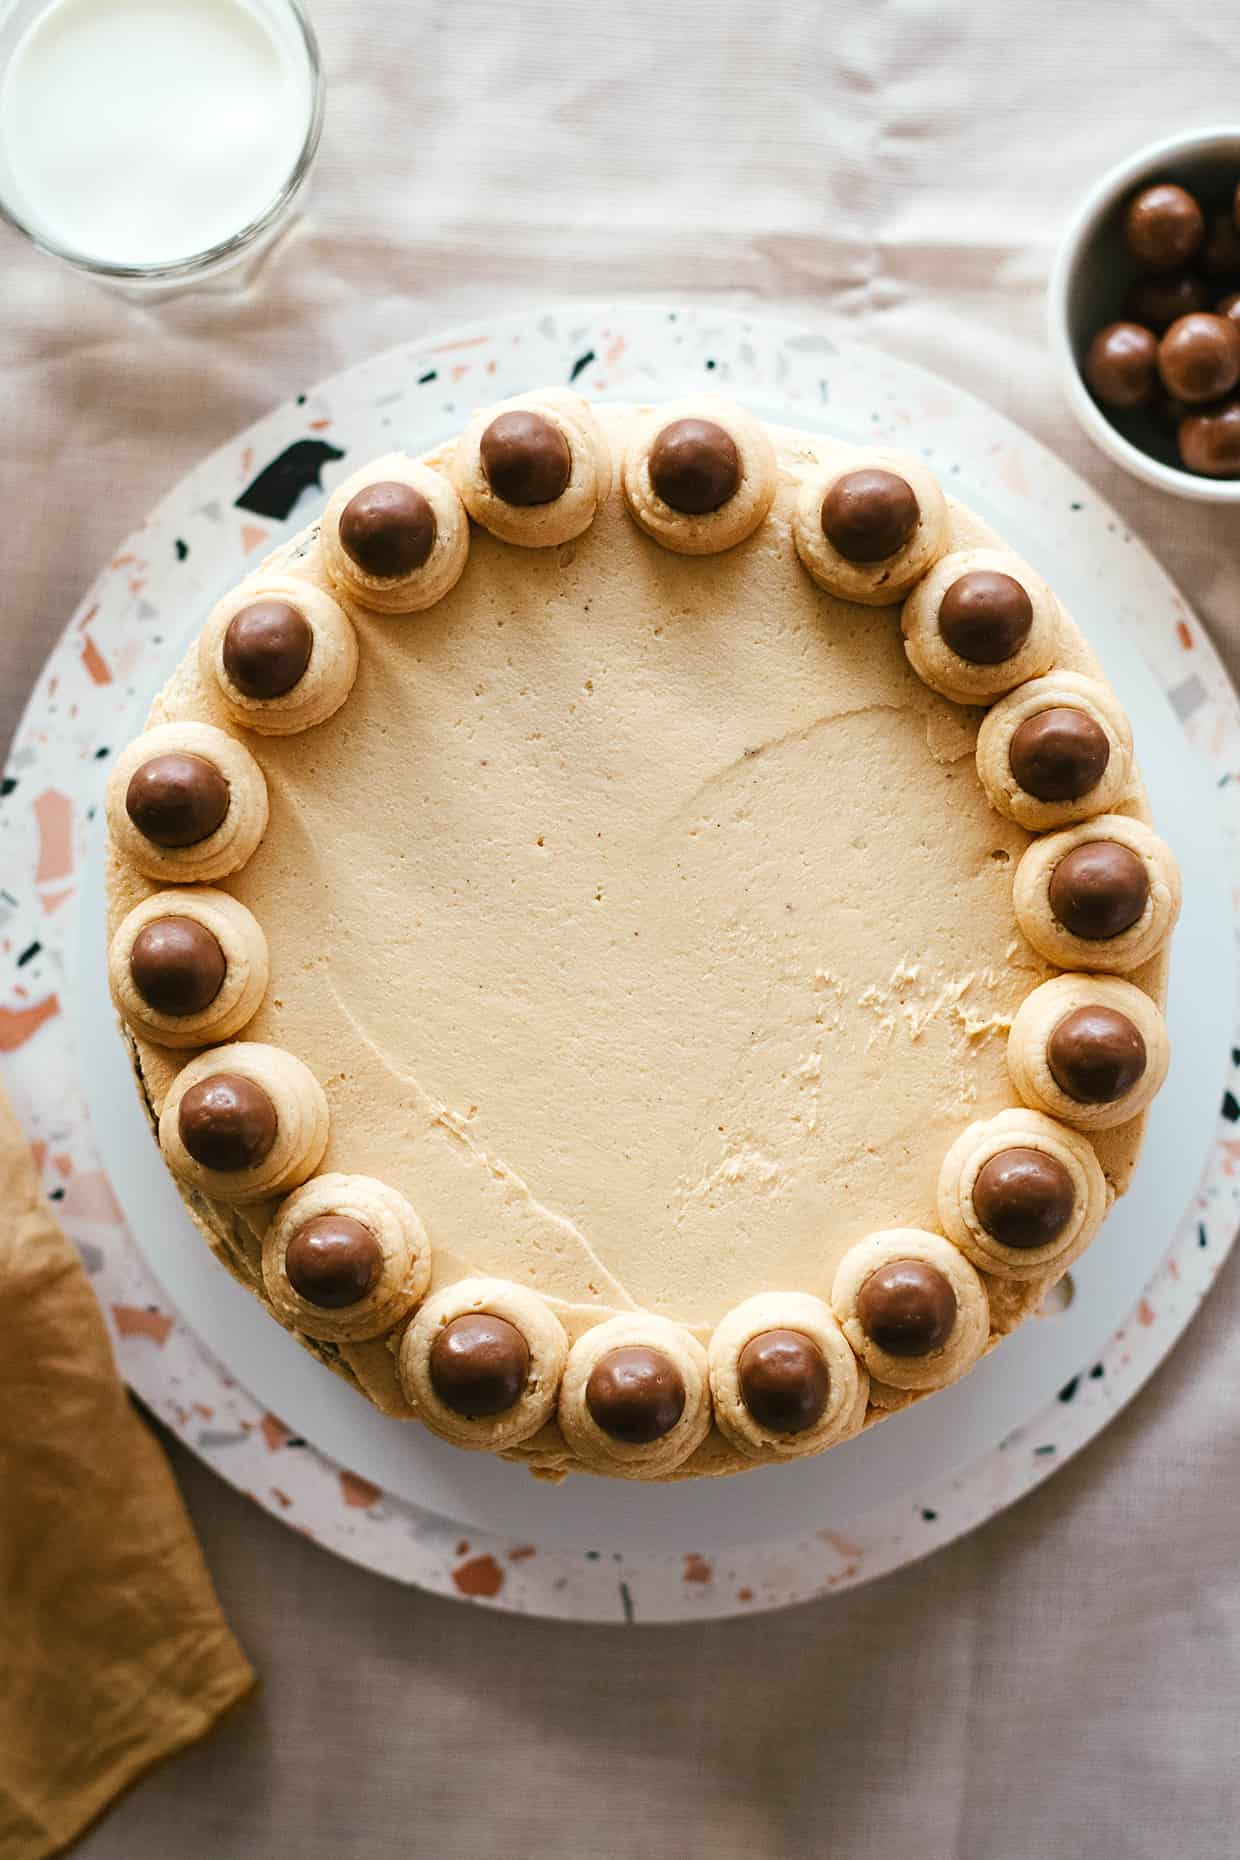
{"x":210,"y":1362}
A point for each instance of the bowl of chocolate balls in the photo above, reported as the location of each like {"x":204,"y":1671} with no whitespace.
{"x":1145,"y":315}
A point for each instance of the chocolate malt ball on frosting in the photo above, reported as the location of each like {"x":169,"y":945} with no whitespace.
{"x":1055,"y":750}
{"x":1163,"y":226}
{"x":185,"y":803}
{"x":1104,"y":894}
{"x":784,"y":1379}
{"x":1199,"y":357}
{"x":481,"y":1363}
{"x":1021,"y":1193}
{"x":281,"y":653}
{"x":1121,"y":366}
{"x":394,"y":537}
{"x":912,"y":1307}
{"x":534,"y":470}
{"x":635,"y":1399}
{"x":980,"y":623}
{"x":699,"y":475}
{"x":1210,"y":440}
{"x":244,"y":1122}
{"x":345,"y":1258}
{"x":1090,"y":1050}
{"x":868,"y":530}
{"x":188,"y":967}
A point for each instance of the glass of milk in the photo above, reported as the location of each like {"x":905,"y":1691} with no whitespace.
{"x":155,"y":143}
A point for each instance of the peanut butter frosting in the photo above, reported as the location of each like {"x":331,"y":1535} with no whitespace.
{"x":642,"y":916}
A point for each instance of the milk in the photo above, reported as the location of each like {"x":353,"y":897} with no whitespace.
{"x":144,"y":132}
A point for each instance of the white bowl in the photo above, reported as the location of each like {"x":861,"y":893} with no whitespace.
{"x":1091,"y":273}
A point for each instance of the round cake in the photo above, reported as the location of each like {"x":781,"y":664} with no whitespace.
{"x":641,"y":937}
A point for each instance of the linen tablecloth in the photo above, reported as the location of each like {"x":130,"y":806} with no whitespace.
{"x":1067,"y":1680}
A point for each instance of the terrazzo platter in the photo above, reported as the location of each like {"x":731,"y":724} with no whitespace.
{"x":388,"y":1495}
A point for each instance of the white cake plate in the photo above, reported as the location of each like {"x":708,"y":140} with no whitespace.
{"x":467,"y":1524}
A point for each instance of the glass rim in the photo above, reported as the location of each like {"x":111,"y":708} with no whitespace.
{"x":171,"y":271}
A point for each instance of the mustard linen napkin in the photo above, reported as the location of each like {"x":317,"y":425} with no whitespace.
{"x":113,"y":1650}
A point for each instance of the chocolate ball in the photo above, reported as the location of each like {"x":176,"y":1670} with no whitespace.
{"x":388,"y":529}
{"x":635,"y":1394}
{"x":1099,"y":890}
{"x":227,"y":1122}
{"x":985,"y":616}
{"x":1199,"y":357}
{"x":177,"y":965}
{"x":695,"y":466}
{"x":1059,"y":754}
{"x":333,"y":1261}
{"x":1163,"y":226}
{"x":1157,"y":302}
{"x":526,"y":458}
{"x":176,"y":799}
{"x":267,"y":648}
{"x":479,"y":1364}
{"x":783,"y":1380}
{"x":868,"y":515}
{"x":1229,"y":306}
{"x":1210,"y":441}
{"x":907,"y":1307}
{"x":1220,"y":255}
{"x":1121,"y":365}
{"x":1096,"y":1054}
{"x":1023,"y":1198}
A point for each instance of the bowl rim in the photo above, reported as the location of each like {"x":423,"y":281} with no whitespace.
{"x":1089,"y":210}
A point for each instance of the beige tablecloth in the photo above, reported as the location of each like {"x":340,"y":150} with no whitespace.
{"x":1067,"y":1681}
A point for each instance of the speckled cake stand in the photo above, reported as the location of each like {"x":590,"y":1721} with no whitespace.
{"x":206,"y":1358}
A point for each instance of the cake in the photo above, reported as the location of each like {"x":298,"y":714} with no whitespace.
{"x":641,"y":937}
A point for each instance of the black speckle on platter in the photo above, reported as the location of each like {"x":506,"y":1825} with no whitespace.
{"x":278,"y":485}
{"x":182,"y":549}
{"x":581,"y":364}
{"x":1231,"y":1109}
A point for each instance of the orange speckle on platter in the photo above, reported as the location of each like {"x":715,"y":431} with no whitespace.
{"x":91,"y":611}
{"x":744,"y":1595}
{"x":281,"y":1498}
{"x":205,"y":1410}
{"x":481,"y":1576}
{"x":522,"y":1553}
{"x":462,"y":1547}
{"x":1184,"y":635}
{"x":319,"y":426}
{"x":17,"y":1025}
{"x":1145,"y":1313}
{"x":459,"y":370}
{"x":89,"y":1197}
{"x":359,"y":1493}
{"x":274,"y":1432}
{"x":697,"y":1569}
{"x":38,"y":1154}
{"x":615,"y":350}
{"x":63,"y":1165}
{"x":53,"y":816}
{"x":137,"y":1321}
{"x":843,"y":1546}
{"x":52,"y":900}
{"x":252,"y":537}
{"x":98,"y":669}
